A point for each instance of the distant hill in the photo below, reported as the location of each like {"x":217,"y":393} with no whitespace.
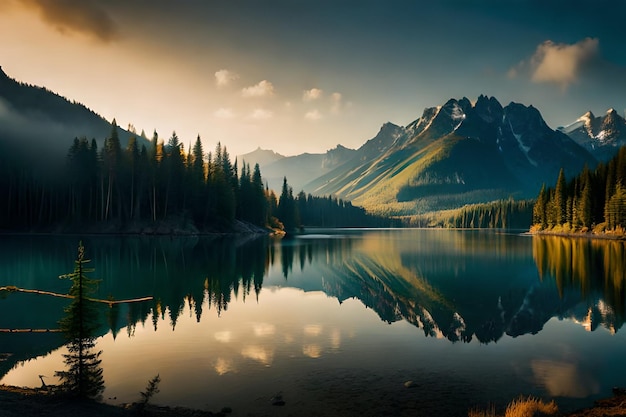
{"x":452,"y":155}
{"x":39,"y":126}
{"x":263,"y":157}
{"x":602,"y":135}
{"x":299,"y":169}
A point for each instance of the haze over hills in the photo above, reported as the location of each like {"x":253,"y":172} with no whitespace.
{"x":37,"y":123}
{"x":299,"y":169}
{"x":263,"y":157}
{"x":601,"y":135}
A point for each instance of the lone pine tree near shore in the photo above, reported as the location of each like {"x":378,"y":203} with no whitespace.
{"x":83,"y":376}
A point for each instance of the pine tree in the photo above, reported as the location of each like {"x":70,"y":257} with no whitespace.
{"x":259,"y":201}
{"x":174,"y":165}
{"x":222,"y":187}
{"x":111,"y":159}
{"x":132,"y":175}
{"x":287,"y":207}
{"x":560,"y":199}
{"x":83,"y":377}
{"x":585,"y":201}
{"x":539,"y":209}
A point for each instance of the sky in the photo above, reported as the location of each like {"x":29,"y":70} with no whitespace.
{"x":301,"y":76}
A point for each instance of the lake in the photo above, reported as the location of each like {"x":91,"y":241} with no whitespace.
{"x":336,"y":322}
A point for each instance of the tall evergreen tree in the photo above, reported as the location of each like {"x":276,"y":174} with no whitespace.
{"x":539,"y":209}
{"x":259,"y":201}
{"x":287,"y":208}
{"x":111,"y":159}
{"x":131,"y":175}
{"x":560,"y":199}
{"x":83,"y":377}
{"x":585,"y":200}
{"x":174,"y":165}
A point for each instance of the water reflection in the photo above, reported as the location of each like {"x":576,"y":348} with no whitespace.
{"x":564,"y":379}
{"x":595,"y":270}
{"x":457,"y":285}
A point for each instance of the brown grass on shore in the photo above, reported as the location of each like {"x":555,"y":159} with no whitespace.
{"x":521,"y":407}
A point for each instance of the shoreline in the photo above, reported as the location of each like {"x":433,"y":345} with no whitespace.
{"x":239,"y":228}
{"x":579,"y":235}
{"x":19,"y":401}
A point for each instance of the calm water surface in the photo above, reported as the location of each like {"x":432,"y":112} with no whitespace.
{"x":336,"y":321}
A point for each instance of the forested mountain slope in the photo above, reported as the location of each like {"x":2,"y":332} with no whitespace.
{"x":452,"y":155}
{"x":38,"y":126}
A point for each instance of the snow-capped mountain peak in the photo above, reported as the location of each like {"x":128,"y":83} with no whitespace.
{"x":601,"y":135}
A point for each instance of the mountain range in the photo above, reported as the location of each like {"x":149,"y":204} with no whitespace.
{"x":602,"y":135}
{"x":454,"y":154}
{"x":299,"y":169}
{"x":457,"y":153}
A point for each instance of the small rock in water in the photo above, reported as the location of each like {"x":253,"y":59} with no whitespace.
{"x":410,"y":384}
{"x":277,"y":399}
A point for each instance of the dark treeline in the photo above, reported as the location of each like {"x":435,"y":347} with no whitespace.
{"x":122,"y":189}
{"x":501,"y":214}
{"x":307,"y":210}
{"x":156,"y":187}
{"x":594,"y":200}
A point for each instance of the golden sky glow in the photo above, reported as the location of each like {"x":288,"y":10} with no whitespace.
{"x":305,"y":76}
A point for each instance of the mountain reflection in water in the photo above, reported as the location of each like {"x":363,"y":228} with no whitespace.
{"x":462,"y":286}
{"x":454,"y":284}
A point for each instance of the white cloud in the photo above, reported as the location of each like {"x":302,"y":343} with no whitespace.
{"x":313,"y":115}
{"x":261,"y":114}
{"x":224,"y":113}
{"x":558,"y":63}
{"x":335,"y":97}
{"x":224,"y":77}
{"x":312,"y":94}
{"x":262,"y":89}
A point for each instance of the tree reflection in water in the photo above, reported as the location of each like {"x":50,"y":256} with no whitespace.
{"x":595,"y":268}
{"x":460,"y":285}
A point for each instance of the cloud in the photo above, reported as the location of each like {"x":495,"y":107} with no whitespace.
{"x":335,"y":107}
{"x":82,"y":16}
{"x":312,"y":94}
{"x":261,"y":114}
{"x":262,"y":89}
{"x":313,"y":115}
{"x":224,"y":113}
{"x":224,"y":77}
{"x":558,"y":63}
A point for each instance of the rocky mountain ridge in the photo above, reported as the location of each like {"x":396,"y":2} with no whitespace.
{"x":454,"y":154}
{"x":602,"y":136}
